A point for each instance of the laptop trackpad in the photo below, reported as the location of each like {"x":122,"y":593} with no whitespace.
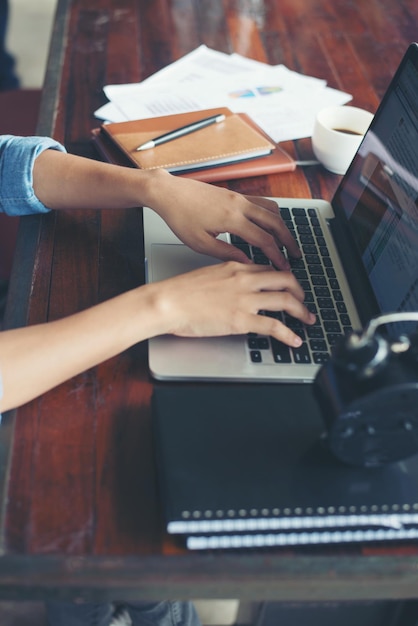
{"x":168,"y":260}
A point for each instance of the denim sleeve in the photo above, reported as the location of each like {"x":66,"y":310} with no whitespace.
{"x":17,"y":156}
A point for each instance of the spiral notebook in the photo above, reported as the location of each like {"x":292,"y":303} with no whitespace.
{"x":244,"y":466}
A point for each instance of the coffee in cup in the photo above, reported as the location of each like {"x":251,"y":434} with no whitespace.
{"x":338,"y":132}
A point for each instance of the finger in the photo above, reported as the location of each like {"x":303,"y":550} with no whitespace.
{"x":274,"y":224}
{"x":267,"y":215}
{"x":262,"y":279}
{"x":268,"y":232}
{"x":278,"y":282}
{"x":221,"y":250}
{"x":269,"y":326}
{"x":259,"y":237}
{"x":286,"y":301}
{"x":266,"y":203}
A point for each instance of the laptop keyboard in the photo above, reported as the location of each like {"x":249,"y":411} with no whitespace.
{"x":323,"y":296}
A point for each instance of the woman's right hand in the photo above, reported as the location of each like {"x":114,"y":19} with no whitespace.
{"x":226,"y":299}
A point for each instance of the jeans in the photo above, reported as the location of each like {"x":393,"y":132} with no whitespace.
{"x":141,"y":613}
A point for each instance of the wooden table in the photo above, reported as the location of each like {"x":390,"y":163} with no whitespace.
{"x":80,"y":513}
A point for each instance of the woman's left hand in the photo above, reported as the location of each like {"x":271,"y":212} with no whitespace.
{"x":198,"y":212}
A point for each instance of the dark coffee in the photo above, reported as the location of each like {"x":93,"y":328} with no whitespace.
{"x":347,"y":131}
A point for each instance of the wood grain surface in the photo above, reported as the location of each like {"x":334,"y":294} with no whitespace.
{"x":81,"y":514}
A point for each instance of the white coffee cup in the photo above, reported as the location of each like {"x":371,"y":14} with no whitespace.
{"x":337,"y":134}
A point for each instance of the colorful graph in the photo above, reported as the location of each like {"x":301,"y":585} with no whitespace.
{"x":265,"y":90}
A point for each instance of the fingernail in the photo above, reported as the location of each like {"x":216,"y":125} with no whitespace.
{"x":297,"y":342}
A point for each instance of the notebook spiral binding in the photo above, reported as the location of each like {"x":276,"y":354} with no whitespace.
{"x":214,"y":542}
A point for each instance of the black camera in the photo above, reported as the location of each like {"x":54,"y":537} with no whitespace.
{"x":368,"y":394}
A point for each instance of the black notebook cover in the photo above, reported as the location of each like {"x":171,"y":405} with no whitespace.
{"x":246,"y":465}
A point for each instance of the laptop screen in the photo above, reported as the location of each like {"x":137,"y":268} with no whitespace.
{"x":378,"y":198}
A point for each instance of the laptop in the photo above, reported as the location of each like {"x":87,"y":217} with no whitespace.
{"x":360,"y":257}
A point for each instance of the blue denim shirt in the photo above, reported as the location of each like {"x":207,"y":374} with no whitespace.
{"x":17,"y":156}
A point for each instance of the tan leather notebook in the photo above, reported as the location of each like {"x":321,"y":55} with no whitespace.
{"x":276,"y":161}
{"x":227,"y":142}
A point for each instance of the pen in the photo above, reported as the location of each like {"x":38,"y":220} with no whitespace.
{"x":179,"y":132}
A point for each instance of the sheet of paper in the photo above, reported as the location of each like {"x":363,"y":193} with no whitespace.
{"x":291,"y":118}
{"x":109,"y":112}
{"x":283,"y":102}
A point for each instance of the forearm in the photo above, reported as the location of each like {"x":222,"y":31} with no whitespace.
{"x":65,"y":181}
{"x":36,"y":358}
